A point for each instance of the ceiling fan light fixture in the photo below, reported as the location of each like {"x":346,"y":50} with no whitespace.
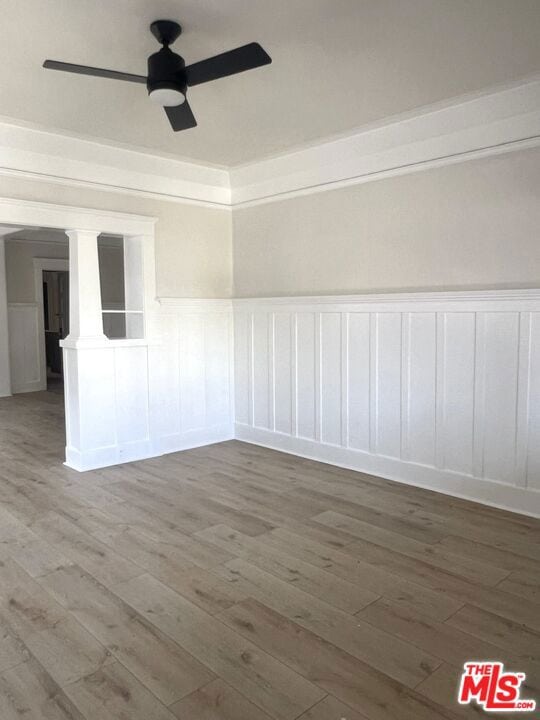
{"x":167,"y":97}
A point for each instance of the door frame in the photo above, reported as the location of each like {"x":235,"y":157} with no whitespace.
{"x":41,"y":264}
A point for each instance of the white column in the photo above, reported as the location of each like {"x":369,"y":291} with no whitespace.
{"x":86,"y":319}
{"x":89,"y":379}
{"x":5,"y":378}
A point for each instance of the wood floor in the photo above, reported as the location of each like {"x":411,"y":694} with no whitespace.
{"x":233,"y":582}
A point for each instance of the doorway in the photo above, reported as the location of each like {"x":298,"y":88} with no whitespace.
{"x":56,"y":325}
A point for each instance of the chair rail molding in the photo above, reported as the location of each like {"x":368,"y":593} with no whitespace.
{"x":439,"y":390}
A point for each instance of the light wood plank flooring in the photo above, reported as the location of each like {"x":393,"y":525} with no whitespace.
{"x":233,"y":582}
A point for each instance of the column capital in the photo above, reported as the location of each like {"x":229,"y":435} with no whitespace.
{"x":75,"y":234}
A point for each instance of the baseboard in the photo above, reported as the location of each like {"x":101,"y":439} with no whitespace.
{"x":195,"y":438}
{"x":495,"y":494}
{"x":108,"y":455}
{"x":142,"y":450}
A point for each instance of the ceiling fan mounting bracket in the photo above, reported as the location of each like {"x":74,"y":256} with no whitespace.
{"x":165,"y":31}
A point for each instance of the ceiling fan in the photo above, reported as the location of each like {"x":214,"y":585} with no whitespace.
{"x":168,"y":77}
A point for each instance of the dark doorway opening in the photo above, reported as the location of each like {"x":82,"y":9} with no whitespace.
{"x":56,"y":323}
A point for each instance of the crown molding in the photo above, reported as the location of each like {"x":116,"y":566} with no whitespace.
{"x":39,"y":154}
{"x":47,"y":215}
{"x":497,"y":120}
{"x":476,"y":125}
{"x":60,"y":241}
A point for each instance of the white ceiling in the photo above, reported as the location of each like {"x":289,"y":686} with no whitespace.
{"x":337,"y":65}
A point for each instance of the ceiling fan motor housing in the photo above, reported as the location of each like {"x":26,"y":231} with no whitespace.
{"x":166,"y":71}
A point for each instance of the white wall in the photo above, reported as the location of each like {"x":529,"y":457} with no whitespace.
{"x":20,"y":254}
{"x":193,"y":242}
{"x":474,"y":224}
{"x":441,"y":391}
{"x":436,"y":391}
{"x":25,"y":327}
{"x":21,"y":286}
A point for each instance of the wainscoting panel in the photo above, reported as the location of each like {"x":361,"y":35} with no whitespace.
{"x":419,"y":381}
{"x":262,"y":358}
{"x":531,"y":372}
{"x":440,"y":390}
{"x":497,"y":407}
{"x":283,"y":380}
{"x":358,"y":387}
{"x":107,"y":412}
{"x":143,"y":398}
{"x":191,"y":374}
{"x":386,"y":380}
{"x":24,"y":348}
{"x":307,"y":366}
{"x":330,"y":378}
{"x":456,"y":337}
{"x":132,"y":398}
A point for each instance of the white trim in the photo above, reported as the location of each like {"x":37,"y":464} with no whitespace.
{"x":118,"y":189}
{"x":412,"y":166}
{"x":492,"y":300}
{"x":476,"y":125}
{"x":487,"y":492}
{"x":496,"y":120}
{"x":37,"y":153}
{"x":27,"y":212}
{"x":195,"y":438}
{"x":433,"y":389}
{"x":107,"y":456}
{"x":98,"y":342}
{"x":130,"y":452}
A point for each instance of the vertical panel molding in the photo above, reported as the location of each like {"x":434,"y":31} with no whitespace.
{"x":439,"y":390}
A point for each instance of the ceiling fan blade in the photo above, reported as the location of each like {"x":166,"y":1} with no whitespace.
{"x":235,"y":61}
{"x":181,"y":117}
{"x":95,"y":72}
